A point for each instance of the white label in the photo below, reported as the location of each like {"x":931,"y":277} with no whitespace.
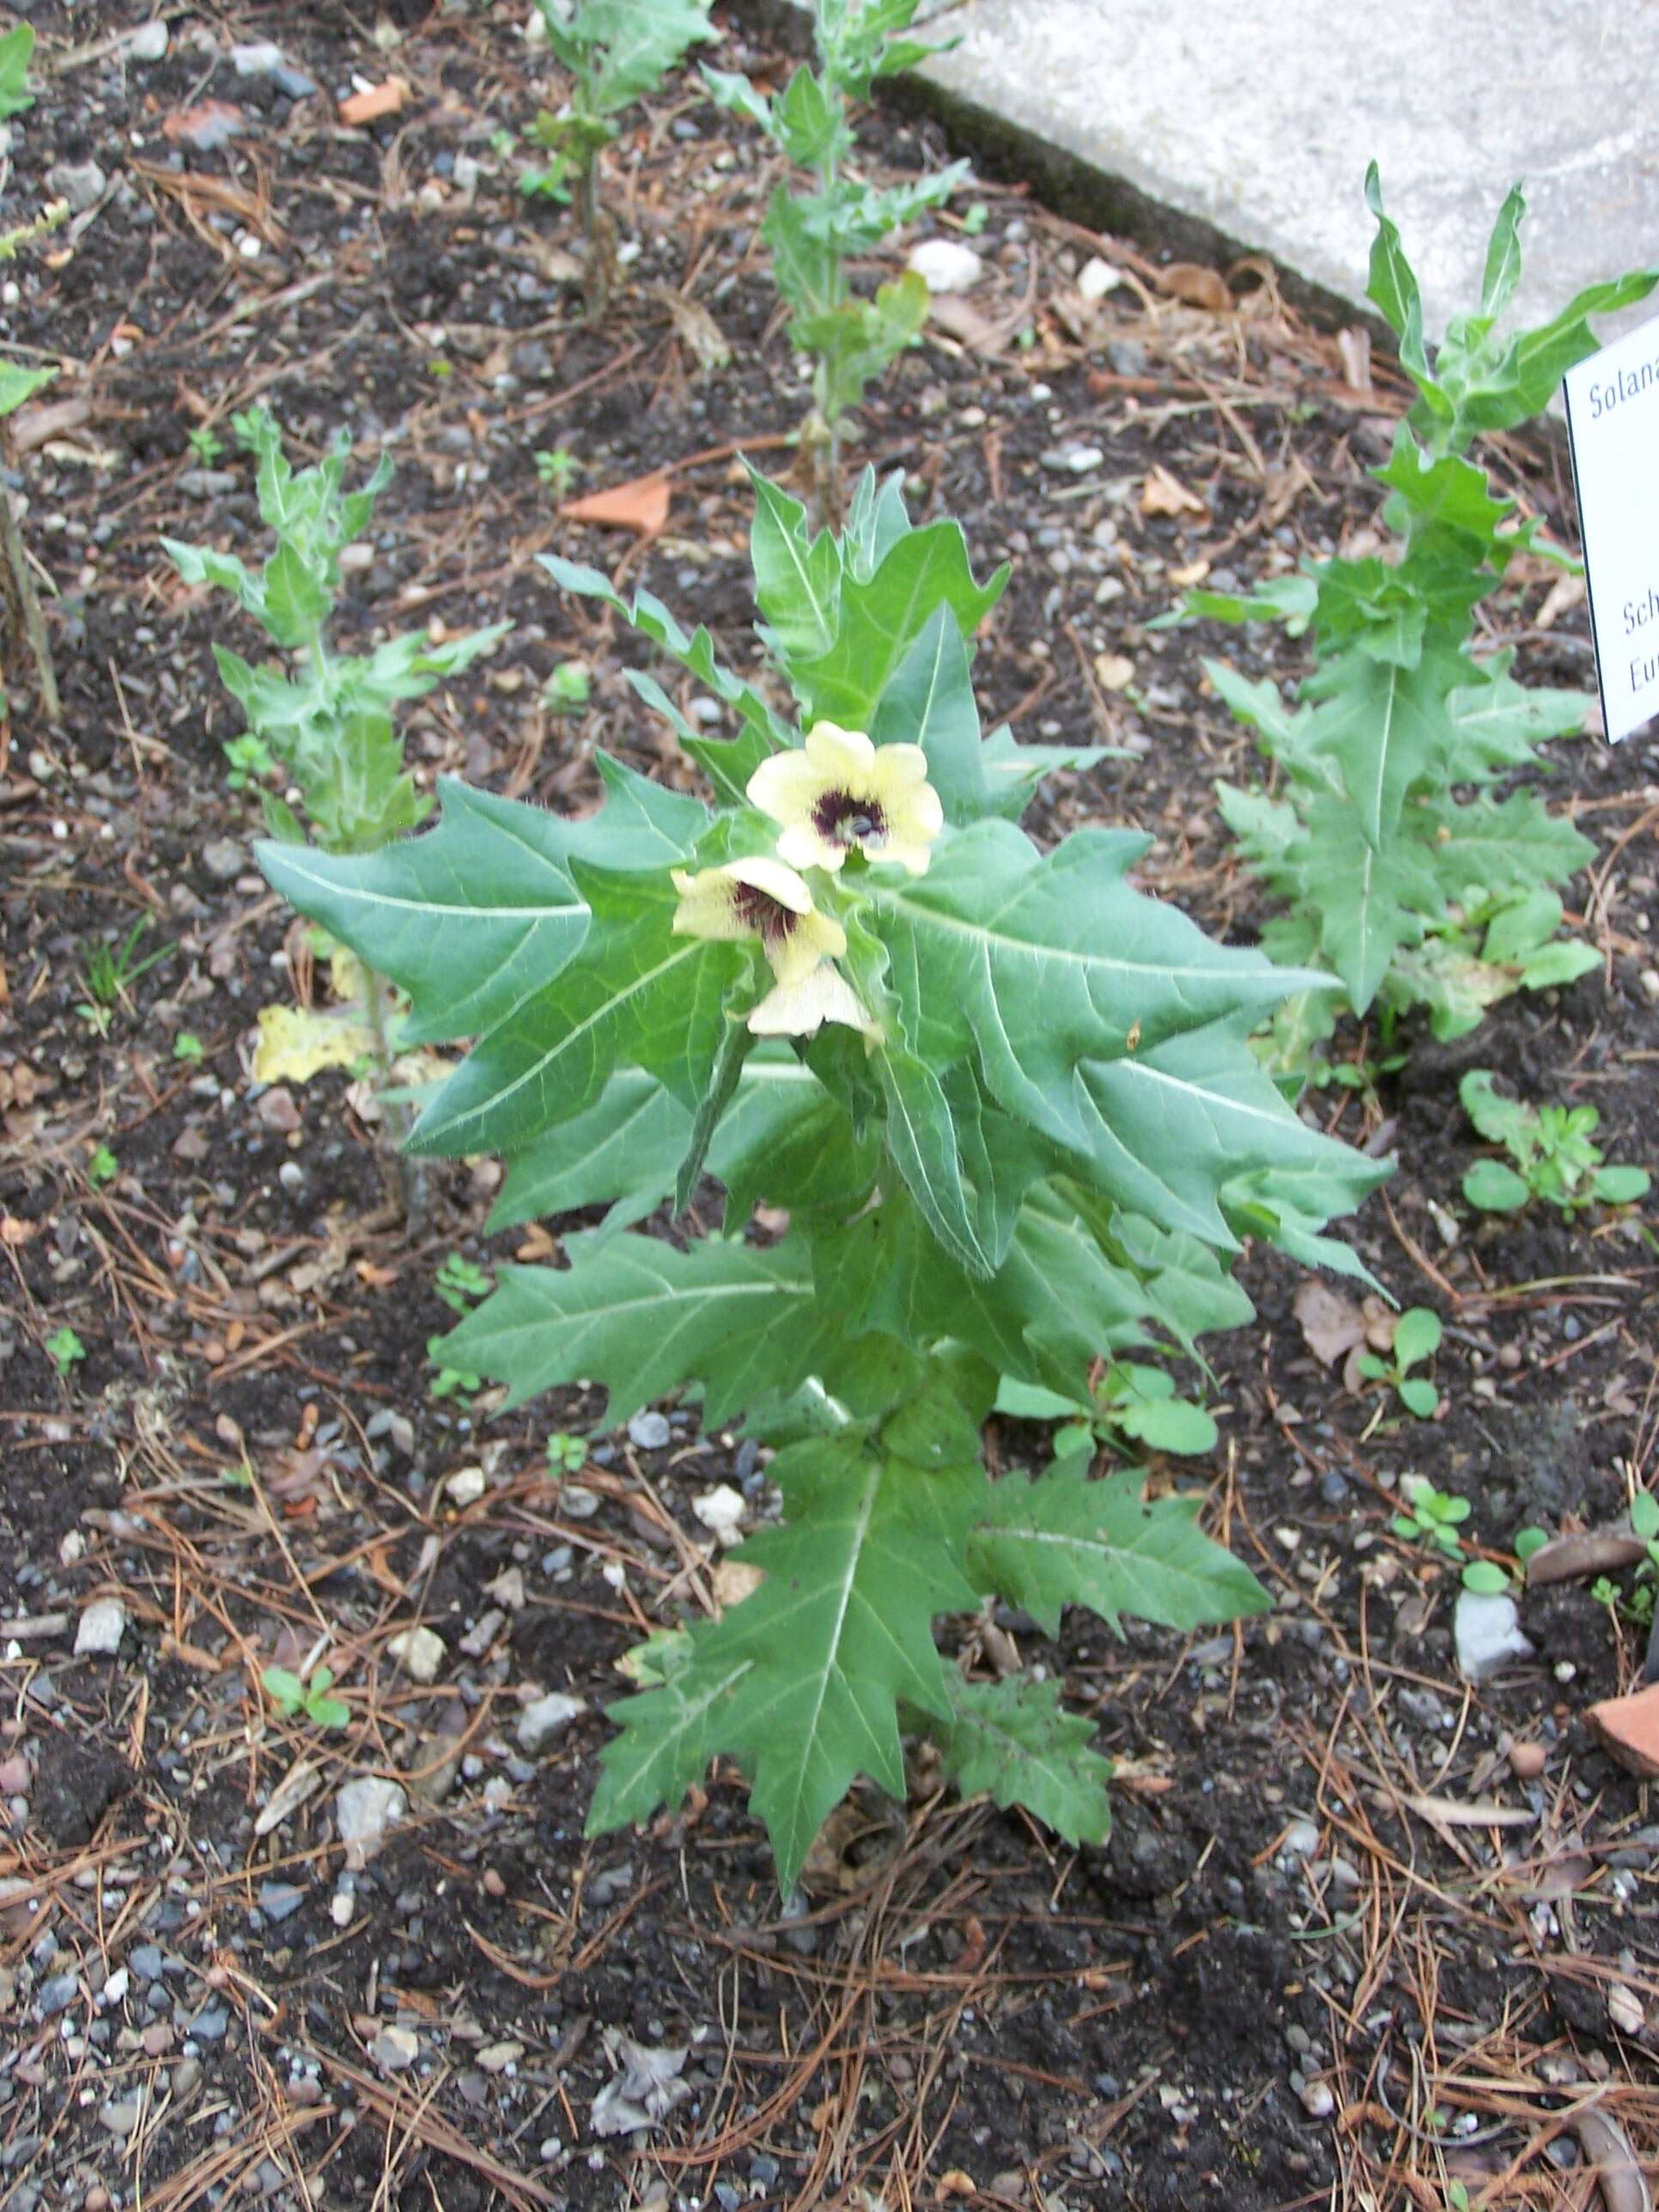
{"x":1612,"y":422}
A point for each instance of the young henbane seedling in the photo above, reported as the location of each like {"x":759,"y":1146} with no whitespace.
{"x":617,"y":51}
{"x":1412,"y":892}
{"x":1553,"y":1158}
{"x":1004,"y":1100}
{"x":814,"y":234}
{"x":328,"y":722}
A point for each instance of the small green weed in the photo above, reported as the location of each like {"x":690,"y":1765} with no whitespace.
{"x":570,"y":685}
{"x":1129,"y":1401}
{"x":558,"y":468}
{"x":565,"y":1454}
{"x":291,"y":1694}
{"x":1416,"y":1338}
{"x":64,"y":1349}
{"x":103,"y":1167}
{"x":1551,"y":1149}
{"x":250,"y":761}
{"x":1432,"y":1517}
{"x":461,"y":1283}
{"x":450,"y":1381}
{"x":107,"y":972}
{"x":188,"y":1048}
{"x":206,"y":444}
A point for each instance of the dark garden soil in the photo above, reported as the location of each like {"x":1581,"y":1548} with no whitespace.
{"x":1363,"y":1932}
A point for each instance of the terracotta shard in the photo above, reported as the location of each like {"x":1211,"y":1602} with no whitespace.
{"x":377,"y":102}
{"x":642,"y":504}
{"x":1629,"y":1729}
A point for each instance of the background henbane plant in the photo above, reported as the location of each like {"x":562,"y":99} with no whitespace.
{"x":328,"y":725}
{"x":617,"y":51}
{"x":1412,"y":895}
{"x":1031,"y":1137}
{"x":812,"y":235}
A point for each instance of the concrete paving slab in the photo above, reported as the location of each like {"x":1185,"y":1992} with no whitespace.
{"x":1232,"y":126}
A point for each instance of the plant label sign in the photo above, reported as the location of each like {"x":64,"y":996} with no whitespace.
{"x":1613,"y":424}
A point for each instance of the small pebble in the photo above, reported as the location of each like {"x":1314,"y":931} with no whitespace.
{"x":1527,"y":1760}
{"x":101,"y":1628}
{"x":649,"y":1431}
{"x":545,"y":1717}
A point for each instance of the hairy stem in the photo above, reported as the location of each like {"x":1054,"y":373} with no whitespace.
{"x":20,"y":588}
{"x":403,"y":1176}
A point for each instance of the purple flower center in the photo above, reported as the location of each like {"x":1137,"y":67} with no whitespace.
{"x":843,"y":818}
{"x":771,"y":921}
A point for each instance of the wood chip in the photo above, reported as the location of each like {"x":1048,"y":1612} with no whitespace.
{"x":1199,"y":287}
{"x":1165,"y":495}
{"x":1578,"y":1557}
{"x":1448,"y":1813}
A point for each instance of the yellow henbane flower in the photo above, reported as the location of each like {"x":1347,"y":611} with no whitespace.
{"x":759,"y":898}
{"x":801,"y":1009}
{"x":840,"y":794}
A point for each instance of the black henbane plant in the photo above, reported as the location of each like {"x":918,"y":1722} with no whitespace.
{"x":1412,"y":892}
{"x":1006,"y":1100}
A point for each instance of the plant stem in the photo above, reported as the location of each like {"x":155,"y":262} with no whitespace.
{"x":22,"y":592}
{"x":403,"y":1178}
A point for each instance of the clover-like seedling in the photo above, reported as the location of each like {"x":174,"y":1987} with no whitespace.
{"x":291,"y":1694}
{"x":188,"y":1048}
{"x":1432,"y":1517}
{"x":103,"y":1167}
{"x":460,"y":1283}
{"x":565,"y":1454}
{"x":1416,"y":1338}
{"x":455,"y":1383}
{"x":64,"y":1349}
{"x":206,"y":444}
{"x":1552,"y":1155}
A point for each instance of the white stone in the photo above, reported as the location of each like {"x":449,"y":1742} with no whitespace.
{"x":363,"y":1811}
{"x":465,"y":1486}
{"x":148,"y":42}
{"x":394,"y":2048}
{"x":1096,"y":278}
{"x":546,"y":1716}
{"x":103,"y":1624}
{"x":1487,"y":1632}
{"x":944,"y":266}
{"x":721,"y":1510}
{"x":419,"y":1653}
